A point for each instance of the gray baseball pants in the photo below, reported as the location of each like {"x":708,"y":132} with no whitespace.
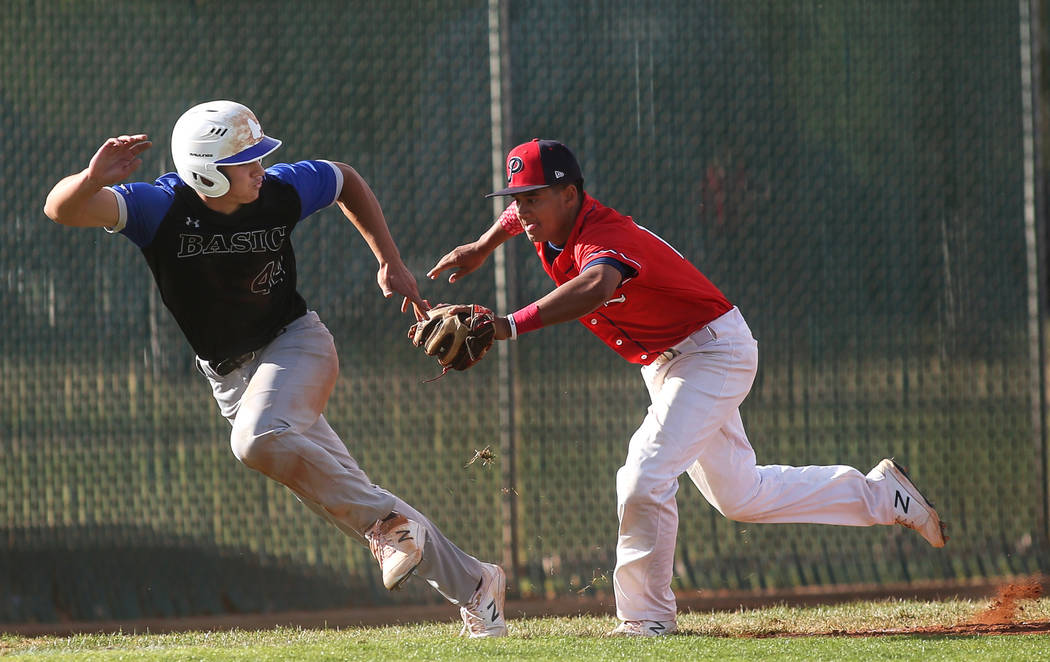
{"x":274,"y":402}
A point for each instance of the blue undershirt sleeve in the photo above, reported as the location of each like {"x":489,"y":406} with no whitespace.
{"x":142,"y":208}
{"x":625,"y":271}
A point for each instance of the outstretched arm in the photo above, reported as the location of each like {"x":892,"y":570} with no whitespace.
{"x":359,"y":204}
{"x":569,"y":301}
{"x":469,"y":257}
{"x":81,"y":200}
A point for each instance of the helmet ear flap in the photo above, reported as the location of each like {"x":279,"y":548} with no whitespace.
{"x":206,"y":179}
{"x":214,"y":184}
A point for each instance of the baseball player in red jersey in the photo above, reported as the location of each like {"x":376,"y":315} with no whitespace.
{"x":646,"y":301}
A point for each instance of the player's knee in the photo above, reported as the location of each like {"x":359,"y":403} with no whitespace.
{"x":633,"y":488}
{"x":736,"y":507}
{"x":253,"y":447}
{"x":626,"y":484}
{"x":247,"y":447}
{"x":733,"y":512}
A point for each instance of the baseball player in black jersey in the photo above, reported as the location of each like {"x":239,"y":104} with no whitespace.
{"x":217,"y":237}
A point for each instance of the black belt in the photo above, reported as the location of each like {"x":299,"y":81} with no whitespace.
{"x":225,"y":367}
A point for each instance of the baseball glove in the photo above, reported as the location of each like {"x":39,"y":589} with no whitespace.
{"x":457,"y":334}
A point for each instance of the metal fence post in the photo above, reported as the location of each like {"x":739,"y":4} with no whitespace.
{"x":499,"y":107}
{"x":1034,"y":250}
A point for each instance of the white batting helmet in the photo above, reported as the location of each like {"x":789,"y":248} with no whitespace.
{"x":214,"y":134}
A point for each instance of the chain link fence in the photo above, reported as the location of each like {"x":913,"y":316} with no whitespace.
{"x":861,"y":179}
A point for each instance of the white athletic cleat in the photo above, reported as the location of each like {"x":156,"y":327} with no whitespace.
{"x":397,"y":543}
{"x":643,"y":629}
{"x":910,"y":507}
{"x":483,"y":615}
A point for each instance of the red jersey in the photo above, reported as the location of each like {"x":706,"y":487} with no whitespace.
{"x":663,"y":303}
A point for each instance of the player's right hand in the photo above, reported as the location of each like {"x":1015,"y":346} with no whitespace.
{"x":117,"y":159}
{"x":463,"y":259}
{"x":395,"y":277}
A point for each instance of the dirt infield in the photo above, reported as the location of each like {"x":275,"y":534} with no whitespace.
{"x":1005,"y":615}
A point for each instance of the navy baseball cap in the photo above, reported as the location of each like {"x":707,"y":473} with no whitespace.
{"x":539,"y":164}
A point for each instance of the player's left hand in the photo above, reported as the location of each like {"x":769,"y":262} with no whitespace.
{"x":396,"y":278}
{"x":117,"y":158}
{"x":458,"y":335}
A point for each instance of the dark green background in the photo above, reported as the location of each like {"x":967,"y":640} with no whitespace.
{"x":850,"y":174}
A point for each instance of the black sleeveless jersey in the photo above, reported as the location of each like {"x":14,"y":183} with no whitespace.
{"x":229,"y":280}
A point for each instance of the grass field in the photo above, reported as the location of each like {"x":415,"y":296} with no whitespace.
{"x":885,"y":630}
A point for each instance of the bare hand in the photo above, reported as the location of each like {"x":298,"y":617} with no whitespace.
{"x":464,"y":259}
{"x":117,"y":159}
{"x":397,"y":278}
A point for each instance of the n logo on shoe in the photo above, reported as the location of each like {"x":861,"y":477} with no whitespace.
{"x":405,"y":535}
{"x":657,"y":627}
{"x":492,"y":607}
{"x":903,"y":502}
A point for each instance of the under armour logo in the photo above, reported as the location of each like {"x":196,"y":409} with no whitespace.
{"x":902,"y":502}
{"x":192,"y":222}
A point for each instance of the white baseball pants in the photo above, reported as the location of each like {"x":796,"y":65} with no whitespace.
{"x":274,"y":403}
{"x":694,"y":426}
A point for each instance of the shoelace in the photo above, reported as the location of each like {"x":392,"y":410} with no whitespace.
{"x":377,"y":541}
{"x":473,"y":619}
{"x":632,"y":627}
{"x":472,"y":622}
